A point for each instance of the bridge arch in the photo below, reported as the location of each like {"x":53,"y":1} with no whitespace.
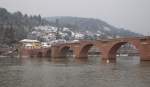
{"x":85,"y":49}
{"x":63,"y":51}
{"x":114,"y":48}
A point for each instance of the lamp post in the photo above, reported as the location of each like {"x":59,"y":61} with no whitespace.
{"x":58,"y":29}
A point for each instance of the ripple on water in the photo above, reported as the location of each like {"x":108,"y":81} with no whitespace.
{"x":128,"y":72}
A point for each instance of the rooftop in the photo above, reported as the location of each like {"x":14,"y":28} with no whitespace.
{"x":29,"y":40}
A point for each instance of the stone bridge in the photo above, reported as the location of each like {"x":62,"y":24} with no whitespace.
{"x":108,"y":48}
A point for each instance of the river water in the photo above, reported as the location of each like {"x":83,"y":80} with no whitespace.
{"x":91,"y":72}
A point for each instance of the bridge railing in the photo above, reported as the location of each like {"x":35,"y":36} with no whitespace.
{"x":101,"y":40}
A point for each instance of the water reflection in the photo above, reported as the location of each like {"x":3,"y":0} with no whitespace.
{"x":81,"y":61}
{"x":71,"y":72}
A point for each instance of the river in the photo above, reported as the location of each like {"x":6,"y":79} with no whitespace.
{"x":91,"y":72}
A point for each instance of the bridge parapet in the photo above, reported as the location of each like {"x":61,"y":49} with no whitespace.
{"x":126,"y":38}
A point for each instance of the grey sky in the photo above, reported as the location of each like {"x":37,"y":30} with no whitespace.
{"x":130,"y":14}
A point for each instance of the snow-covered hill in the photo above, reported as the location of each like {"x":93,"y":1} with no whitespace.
{"x":70,"y":28}
{"x":93,"y":26}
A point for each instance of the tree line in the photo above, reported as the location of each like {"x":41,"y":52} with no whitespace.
{"x":15,"y":26}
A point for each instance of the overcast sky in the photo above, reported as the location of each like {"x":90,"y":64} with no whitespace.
{"x":130,"y":14}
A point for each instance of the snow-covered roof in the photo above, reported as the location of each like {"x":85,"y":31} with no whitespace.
{"x":28,"y":45}
{"x":29,"y":40}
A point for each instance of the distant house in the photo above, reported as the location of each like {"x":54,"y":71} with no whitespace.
{"x":45,"y":45}
{"x":28,"y":43}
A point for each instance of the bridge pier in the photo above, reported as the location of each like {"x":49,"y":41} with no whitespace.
{"x":54,"y":50}
{"x":145,"y":51}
